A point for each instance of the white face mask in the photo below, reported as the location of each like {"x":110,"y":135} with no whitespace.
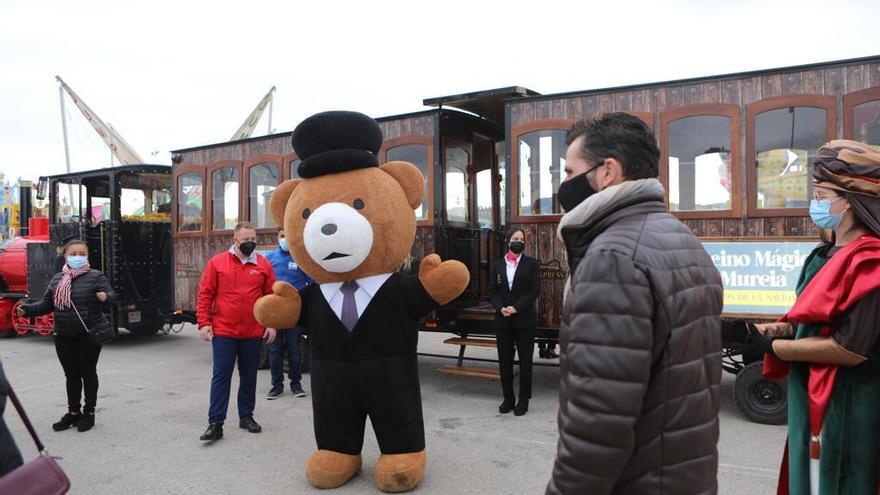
{"x":282,"y":243}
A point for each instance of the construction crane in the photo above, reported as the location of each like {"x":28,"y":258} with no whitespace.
{"x":118,"y":146}
{"x":247,"y":128}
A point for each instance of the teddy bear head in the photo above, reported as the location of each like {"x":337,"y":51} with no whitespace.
{"x":347,"y":217}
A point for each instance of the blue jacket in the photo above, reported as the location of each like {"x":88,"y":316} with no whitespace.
{"x":286,"y":269}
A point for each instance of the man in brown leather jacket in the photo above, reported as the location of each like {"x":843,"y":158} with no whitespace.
{"x":640,"y":337}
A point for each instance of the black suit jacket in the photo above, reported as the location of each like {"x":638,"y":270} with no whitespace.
{"x":526,"y":288}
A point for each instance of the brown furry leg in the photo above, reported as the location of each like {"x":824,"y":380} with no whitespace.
{"x":329,"y":469}
{"x":400,"y":472}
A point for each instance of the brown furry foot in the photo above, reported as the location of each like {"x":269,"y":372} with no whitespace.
{"x":329,"y":469}
{"x":400,"y":472}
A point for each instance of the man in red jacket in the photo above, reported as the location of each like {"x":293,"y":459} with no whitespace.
{"x":231,"y":284}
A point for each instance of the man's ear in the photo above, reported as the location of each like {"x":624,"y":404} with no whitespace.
{"x":280,"y":196}
{"x":613,"y":172}
{"x":411,"y":180}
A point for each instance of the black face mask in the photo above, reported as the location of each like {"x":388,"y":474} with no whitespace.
{"x":517,"y":247}
{"x":247,"y":248}
{"x":573,"y":191}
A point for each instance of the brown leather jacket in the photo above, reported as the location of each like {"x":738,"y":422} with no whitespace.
{"x":640,"y":353}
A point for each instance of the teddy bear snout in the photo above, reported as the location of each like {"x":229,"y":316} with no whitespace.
{"x":328,"y":229}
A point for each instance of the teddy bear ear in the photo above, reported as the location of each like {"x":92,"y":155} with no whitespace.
{"x":411,"y":180}
{"x":280,"y":196}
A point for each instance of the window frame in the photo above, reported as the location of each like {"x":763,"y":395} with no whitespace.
{"x":824,"y":102}
{"x":428,"y":141}
{"x":180,"y":171}
{"x":513,"y":179}
{"x":267,"y":159}
{"x":285,"y":166}
{"x":730,"y":111}
{"x":850,"y":102}
{"x":209,"y":171}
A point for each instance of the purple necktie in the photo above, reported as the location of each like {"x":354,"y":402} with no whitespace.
{"x":349,"y":306}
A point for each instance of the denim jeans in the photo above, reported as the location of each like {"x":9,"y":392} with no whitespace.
{"x":226,"y":350}
{"x":286,"y":342}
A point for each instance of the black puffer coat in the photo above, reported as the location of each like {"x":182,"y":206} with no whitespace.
{"x":640,"y":353}
{"x":83,"y":293}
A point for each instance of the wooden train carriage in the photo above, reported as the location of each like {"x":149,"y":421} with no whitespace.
{"x":218,"y":185}
{"x":736,"y":152}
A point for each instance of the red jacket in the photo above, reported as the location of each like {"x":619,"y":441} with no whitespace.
{"x":228,"y":291}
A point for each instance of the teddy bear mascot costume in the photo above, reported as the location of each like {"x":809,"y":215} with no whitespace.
{"x":350,"y":224}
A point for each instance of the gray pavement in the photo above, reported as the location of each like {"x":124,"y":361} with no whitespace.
{"x":153,"y":403}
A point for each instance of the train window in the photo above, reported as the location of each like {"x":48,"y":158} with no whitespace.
{"x":145,"y":196}
{"x":541,"y":170}
{"x":69,"y":201}
{"x":484,"y":198}
{"x":457,"y":161}
{"x":189,"y":202}
{"x":262,"y":180}
{"x":866,"y":123}
{"x":699,"y":163}
{"x":785,"y":141}
{"x":100,"y":209}
{"x":224,"y":198}
{"x":294,"y":173}
{"x":417,"y":154}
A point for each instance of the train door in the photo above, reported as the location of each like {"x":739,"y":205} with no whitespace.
{"x":470,"y":203}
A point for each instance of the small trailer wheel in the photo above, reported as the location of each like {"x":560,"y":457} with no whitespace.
{"x":761,"y":400}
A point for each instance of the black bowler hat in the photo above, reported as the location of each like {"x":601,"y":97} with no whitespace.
{"x":337,"y":141}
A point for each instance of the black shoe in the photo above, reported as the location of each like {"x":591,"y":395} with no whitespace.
{"x":505,"y":406}
{"x":298,"y":391}
{"x":86,"y":422}
{"x":66,"y":422}
{"x":214,"y":432}
{"x":274,"y":393}
{"x":521,"y":407}
{"x":551,"y":354}
{"x":248,"y":423}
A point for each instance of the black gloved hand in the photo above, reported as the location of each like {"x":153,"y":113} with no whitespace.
{"x":758,"y":341}
{"x":734,"y":331}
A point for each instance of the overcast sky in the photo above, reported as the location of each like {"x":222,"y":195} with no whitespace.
{"x":176,"y":74}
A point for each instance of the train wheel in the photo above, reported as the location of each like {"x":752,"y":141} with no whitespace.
{"x":761,"y":400}
{"x":21,"y":324}
{"x":45,"y":324}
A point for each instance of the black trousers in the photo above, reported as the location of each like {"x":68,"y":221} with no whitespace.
{"x":386,"y":389}
{"x":79,"y":358}
{"x":524,"y":338}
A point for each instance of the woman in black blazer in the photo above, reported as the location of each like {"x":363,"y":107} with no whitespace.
{"x":514,"y":285}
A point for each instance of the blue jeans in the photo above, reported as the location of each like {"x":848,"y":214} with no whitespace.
{"x":226,"y":350}
{"x":286,"y":341}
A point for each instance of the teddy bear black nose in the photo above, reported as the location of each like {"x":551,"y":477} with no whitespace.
{"x":329,"y":228}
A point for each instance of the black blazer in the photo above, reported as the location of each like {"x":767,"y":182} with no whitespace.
{"x":526,"y":288}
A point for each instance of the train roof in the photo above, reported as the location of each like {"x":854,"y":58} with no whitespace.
{"x":695,"y":80}
{"x":102,"y":171}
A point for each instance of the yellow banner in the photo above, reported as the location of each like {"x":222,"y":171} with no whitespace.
{"x":759,"y":297}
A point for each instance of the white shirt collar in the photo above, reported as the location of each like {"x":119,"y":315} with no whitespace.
{"x":370,"y":284}
{"x":252,"y":259}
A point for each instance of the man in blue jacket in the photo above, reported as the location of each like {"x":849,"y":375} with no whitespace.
{"x":287,"y":340}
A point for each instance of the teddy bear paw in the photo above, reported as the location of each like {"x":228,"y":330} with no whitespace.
{"x":396,"y":473}
{"x":329,"y":469}
{"x":444,"y":281}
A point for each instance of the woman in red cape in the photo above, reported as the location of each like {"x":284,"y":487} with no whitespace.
{"x":829,"y":346}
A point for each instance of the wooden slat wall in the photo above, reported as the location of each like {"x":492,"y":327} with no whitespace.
{"x":835,"y":80}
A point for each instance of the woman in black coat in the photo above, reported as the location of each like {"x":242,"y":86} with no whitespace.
{"x":77,"y":288}
{"x":514,"y":285}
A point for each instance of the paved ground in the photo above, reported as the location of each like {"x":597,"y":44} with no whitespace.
{"x":153,"y":405}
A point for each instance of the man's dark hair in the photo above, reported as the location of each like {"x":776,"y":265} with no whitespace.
{"x":621,"y":136}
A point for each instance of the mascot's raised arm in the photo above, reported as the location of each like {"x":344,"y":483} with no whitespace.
{"x":350,"y":225}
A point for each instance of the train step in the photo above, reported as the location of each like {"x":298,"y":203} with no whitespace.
{"x":490,"y":373}
{"x":470,"y":342}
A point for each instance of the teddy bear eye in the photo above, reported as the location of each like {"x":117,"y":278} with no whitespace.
{"x":358,"y":204}
{"x":306,"y":213}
